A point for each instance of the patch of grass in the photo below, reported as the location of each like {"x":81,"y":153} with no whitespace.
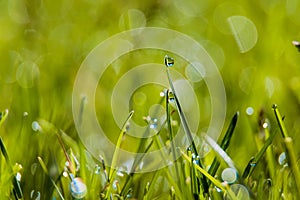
{"x":42,"y":45}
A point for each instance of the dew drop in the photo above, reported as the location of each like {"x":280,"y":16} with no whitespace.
{"x":25,"y":114}
{"x":65,"y":174}
{"x":78,"y":188}
{"x":18,"y":176}
{"x":67,"y":164}
{"x":36,"y":126}
{"x":153,"y":126}
{"x":249,"y":111}
{"x":115,"y":185}
{"x":265,"y":125}
{"x":229,"y":175}
{"x":282,"y":159}
{"x":169,"y":62}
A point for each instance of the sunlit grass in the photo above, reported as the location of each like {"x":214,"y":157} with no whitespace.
{"x":42,"y":45}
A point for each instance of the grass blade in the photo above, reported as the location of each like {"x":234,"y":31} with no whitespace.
{"x":216,"y":182}
{"x":220,"y":151}
{"x":224,"y":143}
{"x":16,"y":185}
{"x":185,"y":124}
{"x":291,"y":154}
{"x":172,"y":136}
{"x":254,"y":160}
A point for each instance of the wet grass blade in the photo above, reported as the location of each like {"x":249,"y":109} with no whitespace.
{"x":216,"y":182}
{"x":254,"y":160}
{"x":291,"y":153}
{"x":186,"y":127}
{"x":224,"y":143}
{"x":172,"y":136}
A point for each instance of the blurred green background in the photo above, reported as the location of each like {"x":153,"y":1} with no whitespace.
{"x":43,"y":43}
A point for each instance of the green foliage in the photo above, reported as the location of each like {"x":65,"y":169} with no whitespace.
{"x":42,"y":45}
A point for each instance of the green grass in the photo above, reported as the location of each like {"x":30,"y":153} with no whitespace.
{"x":42,"y":45}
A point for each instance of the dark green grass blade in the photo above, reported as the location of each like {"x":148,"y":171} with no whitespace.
{"x":254,"y":160}
{"x":224,"y":143}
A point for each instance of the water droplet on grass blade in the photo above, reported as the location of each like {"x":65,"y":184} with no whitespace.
{"x":249,"y":111}
{"x":265,"y":125}
{"x":78,"y":188}
{"x":115,"y":185}
{"x":18,"y":176}
{"x":282,"y":159}
{"x":36,"y":126}
{"x":169,"y":62}
{"x":229,"y":175}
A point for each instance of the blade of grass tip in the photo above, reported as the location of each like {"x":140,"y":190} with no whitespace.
{"x":16,"y":185}
{"x":119,"y":141}
{"x":254,"y":160}
{"x":181,"y":114}
{"x":224,"y":143}
{"x":225,"y":188}
{"x":291,"y":153}
{"x":43,"y":165}
{"x":170,"y":62}
{"x":280,"y":121}
{"x":172,"y":136}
